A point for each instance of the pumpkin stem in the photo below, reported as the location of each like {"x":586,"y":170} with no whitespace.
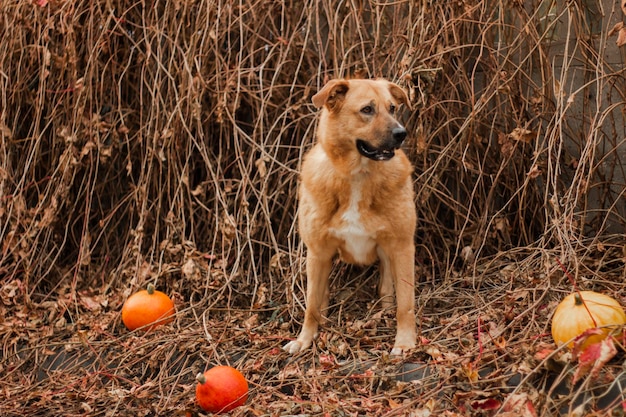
{"x":578,"y":300}
{"x":150,"y":289}
{"x":201,"y":378}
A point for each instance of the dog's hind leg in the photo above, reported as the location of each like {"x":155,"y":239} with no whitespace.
{"x":317,"y":293}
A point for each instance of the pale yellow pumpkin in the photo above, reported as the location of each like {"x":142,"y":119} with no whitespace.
{"x":585,"y":310}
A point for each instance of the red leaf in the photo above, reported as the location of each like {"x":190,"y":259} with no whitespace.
{"x":275,"y":351}
{"x":594,"y":357}
{"x":543,"y":353}
{"x":328,"y":361}
{"x":486,"y":404}
{"x":41,"y":3}
{"x":367,"y":374}
{"x":581,"y":340}
{"x":519,"y":405}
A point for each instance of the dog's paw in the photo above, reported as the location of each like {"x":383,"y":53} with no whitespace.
{"x":292,"y":347}
{"x":295,"y":346}
{"x":398,"y":350}
{"x":304,"y":340}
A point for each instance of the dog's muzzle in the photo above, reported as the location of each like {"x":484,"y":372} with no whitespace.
{"x":387,"y":150}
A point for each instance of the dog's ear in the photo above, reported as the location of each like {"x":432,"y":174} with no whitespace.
{"x":331,"y":95}
{"x":399,"y":94}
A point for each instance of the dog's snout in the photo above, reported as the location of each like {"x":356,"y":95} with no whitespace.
{"x":398,"y":134}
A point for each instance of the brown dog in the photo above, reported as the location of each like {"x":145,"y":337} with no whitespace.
{"x":356,"y":199}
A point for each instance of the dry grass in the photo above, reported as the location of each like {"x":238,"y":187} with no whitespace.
{"x":159,"y":142}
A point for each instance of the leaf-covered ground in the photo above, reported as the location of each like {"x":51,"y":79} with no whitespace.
{"x":485,"y":350}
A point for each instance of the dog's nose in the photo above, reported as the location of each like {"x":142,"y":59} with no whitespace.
{"x":398,"y":134}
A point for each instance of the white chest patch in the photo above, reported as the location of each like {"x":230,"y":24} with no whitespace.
{"x":358,"y":242}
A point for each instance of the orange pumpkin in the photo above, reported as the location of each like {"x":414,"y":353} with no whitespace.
{"x":585,"y":310}
{"x":147,"y":309}
{"x":221,"y":389}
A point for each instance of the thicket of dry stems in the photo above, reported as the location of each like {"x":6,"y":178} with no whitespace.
{"x":153,"y":141}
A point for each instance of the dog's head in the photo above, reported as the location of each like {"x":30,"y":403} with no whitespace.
{"x":360,"y":115}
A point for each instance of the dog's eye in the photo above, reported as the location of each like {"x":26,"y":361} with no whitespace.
{"x":367,"y":110}
{"x":392,"y":109}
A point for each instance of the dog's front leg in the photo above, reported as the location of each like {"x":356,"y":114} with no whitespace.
{"x":385,"y":285}
{"x":317,"y":269}
{"x":403,"y":271}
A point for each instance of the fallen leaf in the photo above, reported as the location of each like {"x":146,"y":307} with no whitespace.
{"x":518,"y":405}
{"x":372,"y":407}
{"x":426,"y":410}
{"x":486,"y":404}
{"x":190,"y":269}
{"x":422,"y":412}
{"x":275,"y":351}
{"x":522,"y":135}
{"x":571,"y":98}
{"x":261,"y":167}
{"x":534,"y":172}
{"x":543,"y":353}
{"x":5,"y":131}
{"x":615,"y":29}
{"x":593,"y":358}
{"x":467,"y":254}
{"x":11,"y":292}
{"x":434,"y":353}
{"x":621,"y":37}
{"x":90,"y":303}
{"x":468,"y":370}
{"x":364,"y":375}
{"x":500,"y":343}
{"x":581,"y":340}
{"x":328,"y":361}
{"x":506,"y":148}
{"x":251,"y":322}
{"x":393,"y":404}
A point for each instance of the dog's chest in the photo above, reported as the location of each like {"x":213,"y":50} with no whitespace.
{"x":358,"y":241}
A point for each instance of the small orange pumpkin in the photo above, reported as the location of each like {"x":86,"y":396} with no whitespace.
{"x":147,"y":309}
{"x":585,"y":310}
{"x":221,"y":389}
